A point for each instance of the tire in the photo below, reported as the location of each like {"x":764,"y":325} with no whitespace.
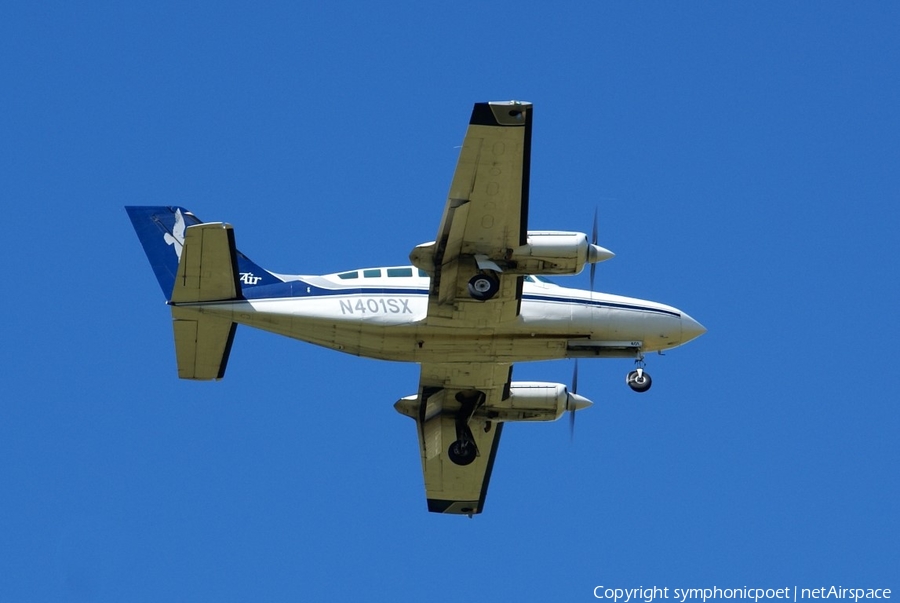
{"x":639,"y":383}
{"x":461,"y":454}
{"x":483,"y":286}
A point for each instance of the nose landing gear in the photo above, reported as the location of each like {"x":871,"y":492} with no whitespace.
{"x":639,"y":380}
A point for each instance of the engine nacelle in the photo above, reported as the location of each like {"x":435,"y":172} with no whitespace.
{"x":527,"y":401}
{"x":546,"y":252}
{"x":556,"y":252}
{"x":536,"y":401}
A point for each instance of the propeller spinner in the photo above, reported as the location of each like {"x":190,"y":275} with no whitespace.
{"x":575,"y":402}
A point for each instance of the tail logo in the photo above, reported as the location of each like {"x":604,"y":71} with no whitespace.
{"x":176,"y":239}
{"x":248,"y":278}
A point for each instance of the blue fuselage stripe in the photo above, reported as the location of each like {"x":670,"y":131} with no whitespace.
{"x":301,"y":289}
{"x":600,"y":304}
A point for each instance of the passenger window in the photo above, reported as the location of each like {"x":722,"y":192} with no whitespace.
{"x":399,"y":271}
{"x":374,"y":273}
{"x":348,"y":275}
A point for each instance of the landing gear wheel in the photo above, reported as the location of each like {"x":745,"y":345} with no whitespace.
{"x":462,"y":452}
{"x":483,"y":286}
{"x":639,"y":380}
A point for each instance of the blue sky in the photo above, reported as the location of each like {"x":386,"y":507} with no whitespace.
{"x":743,"y":158}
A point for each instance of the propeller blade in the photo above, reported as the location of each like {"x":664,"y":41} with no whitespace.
{"x":575,"y":378}
{"x":571,"y":425}
{"x":572,"y":410}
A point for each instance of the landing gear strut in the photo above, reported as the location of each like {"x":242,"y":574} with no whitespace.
{"x":638,"y":379}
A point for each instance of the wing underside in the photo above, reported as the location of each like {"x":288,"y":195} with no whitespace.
{"x":445,"y":411}
{"x":485,"y":217}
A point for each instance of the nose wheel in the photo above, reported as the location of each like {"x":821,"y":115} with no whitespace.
{"x":639,"y":380}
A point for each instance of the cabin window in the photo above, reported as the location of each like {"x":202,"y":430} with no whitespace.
{"x":399,"y":271}
{"x":349,"y":275}
{"x":372,"y":273}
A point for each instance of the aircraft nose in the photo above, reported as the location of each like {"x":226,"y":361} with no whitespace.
{"x":690,"y":328}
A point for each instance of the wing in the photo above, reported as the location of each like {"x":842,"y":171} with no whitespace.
{"x":448,"y":394}
{"x":485,"y":218}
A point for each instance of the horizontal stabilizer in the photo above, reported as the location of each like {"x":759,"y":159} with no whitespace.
{"x":207,"y":270}
{"x":202,"y":344}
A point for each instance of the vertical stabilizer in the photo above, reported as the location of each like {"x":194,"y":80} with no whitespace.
{"x":161,"y":230}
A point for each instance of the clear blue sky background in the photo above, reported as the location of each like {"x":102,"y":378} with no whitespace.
{"x":744,"y":160}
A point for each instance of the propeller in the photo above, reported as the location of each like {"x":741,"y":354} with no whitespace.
{"x":575,"y":402}
{"x":595,"y":252}
{"x":575,"y":386}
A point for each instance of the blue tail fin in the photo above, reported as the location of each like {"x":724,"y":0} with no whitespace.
{"x":161,"y":231}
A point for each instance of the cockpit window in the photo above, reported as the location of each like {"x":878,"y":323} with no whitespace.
{"x":529,"y":279}
{"x":399,"y":271}
{"x":349,"y":275}
{"x":372,"y":273}
{"x":423,"y":273}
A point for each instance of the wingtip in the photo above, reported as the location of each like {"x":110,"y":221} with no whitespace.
{"x":501,"y":113}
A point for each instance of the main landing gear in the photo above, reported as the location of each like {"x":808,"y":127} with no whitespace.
{"x":463,"y":450}
{"x":483,"y":286}
{"x":639,"y":380}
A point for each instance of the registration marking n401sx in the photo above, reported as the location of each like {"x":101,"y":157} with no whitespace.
{"x":376,"y":305}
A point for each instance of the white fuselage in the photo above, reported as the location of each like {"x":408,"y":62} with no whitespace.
{"x":368,"y":313}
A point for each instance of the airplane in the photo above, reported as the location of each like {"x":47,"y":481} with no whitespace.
{"x":469,"y":305}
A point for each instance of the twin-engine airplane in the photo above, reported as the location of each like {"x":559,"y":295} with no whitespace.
{"x":473,"y":302}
